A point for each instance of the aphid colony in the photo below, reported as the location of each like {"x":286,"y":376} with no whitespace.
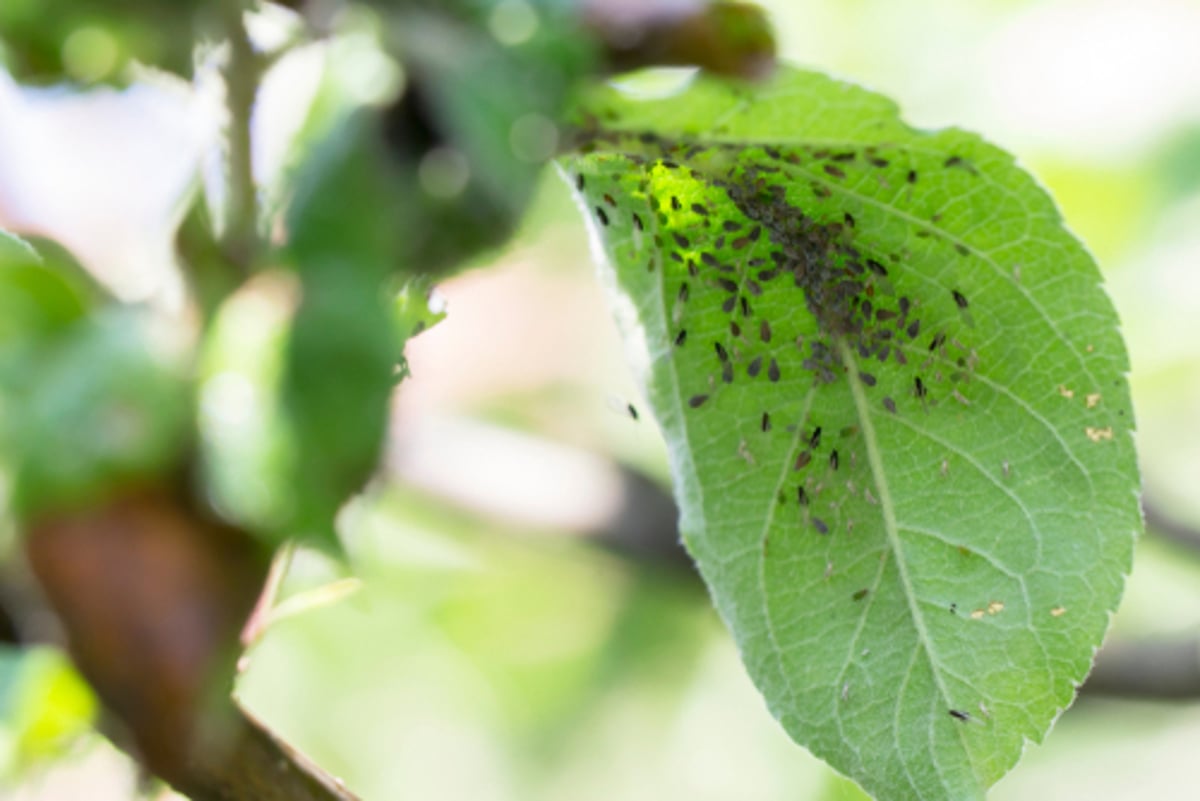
{"x":774,"y":246}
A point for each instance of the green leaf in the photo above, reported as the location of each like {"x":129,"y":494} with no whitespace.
{"x":44,"y":707}
{"x":894,"y":396}
{"x":106,"y":404}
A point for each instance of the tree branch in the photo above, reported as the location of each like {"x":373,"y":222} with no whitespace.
{"x":242,"y":73}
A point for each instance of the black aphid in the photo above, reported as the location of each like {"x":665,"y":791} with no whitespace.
{"x":773,"y":371}
{"x":675,"y":204}
{"x":754,"y":367}
{"x":709,"y":259}
{"x":833,"y":459}
{"x":637,"y":222}
{"x":730,"y":226}
{"x":938,"y":340}
{"x":962,"y":249}
{"x":860,"y":594}
{"x":878,"y":162}
{"x":890,"y":405}
{"x":877,"y":268}
{"x":764,"y":331}
{"x":683,"y":292}
{"x":867,"y":379}
{"x":802,"y":460}
{"x":820,"y":526}
{"x":727,"y":284}
{"x":911,"y":177}
{"x":727,"y":372}
{"x":846,"y":155}
{"x":745,"y":307}
{"x":833,"y":170}
{"x":959,"y":298}
{"x":696,"y":401}
{"x":729,"y":303}
{"x":766,"y":422}
{"x":913,"y":329}
{"x":801,"y":495}
{"x":919,"y":388}
{"x":959,"y":715}
{"x":735,"y":329}
{"x":700,"y":209}
{"x":633,"y":412}
{"x":849,"y":218}
{"x":722,"y":354}
{"x":609,"y":200}
{"x":681,"y":337}
{"x":681,"y":240}
{"x":814,"y":440}
{"x":601,"y":214}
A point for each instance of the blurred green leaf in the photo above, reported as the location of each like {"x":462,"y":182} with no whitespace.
{"x":895,"y":400}
{"x":89,"y":41}
{"x":106,"y":403}
{"x":44,"y":706}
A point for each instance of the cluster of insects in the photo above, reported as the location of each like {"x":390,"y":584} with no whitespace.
{"x":727,"y":229}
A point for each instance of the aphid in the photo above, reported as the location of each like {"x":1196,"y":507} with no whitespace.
{"x":684,"y":291}
{"x":675,"y":204}
{"x":801,"y":495}
{"x":938,"y":340}
{"x":764,"y":331}
{"x":833,"y":170}
{"x":722,"y":354}
{"x":867,"y":379}
{"x":773,"y":371}
{"x":890,"y":405}
{"x":637,"y":222}
{"x":913,"y":329}
{"x":911,"y":177}
{"x":633,"y":412}
{"x":849,"y":218}
{"x":696,"y":401}
{"x":580,"y":183}
{"x":729,"y":303}
{"x":802,"y":460}
{"x":833,"y":459}
{"x":727,"y":372}
{"x":814,"y":439}
{"x":820,"y":526}
{"x":877,"y":268}
{"x":602,"y":215}
{"x":609,"y":200}
{"x":766,"y":422}
{"x":959,"y":715}
{"x":878,"y":162}
{"x":730,"y":226}
{"x":681,"y":337}
{"x":919,"y":387}
{"x":735,"y":330}
{"x":700,"y":209}
{"x":962,"y":249}
{"x":959,"y":298}
{"x":860,"y":594}
{"x":681,"y":240}
{"x":754,"y":367}
{"x":709,"y":259}
{"x":745,"y":307}
{"x":727,"y":284}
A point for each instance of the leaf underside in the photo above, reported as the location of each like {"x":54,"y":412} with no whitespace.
{"x":894,"y":395}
